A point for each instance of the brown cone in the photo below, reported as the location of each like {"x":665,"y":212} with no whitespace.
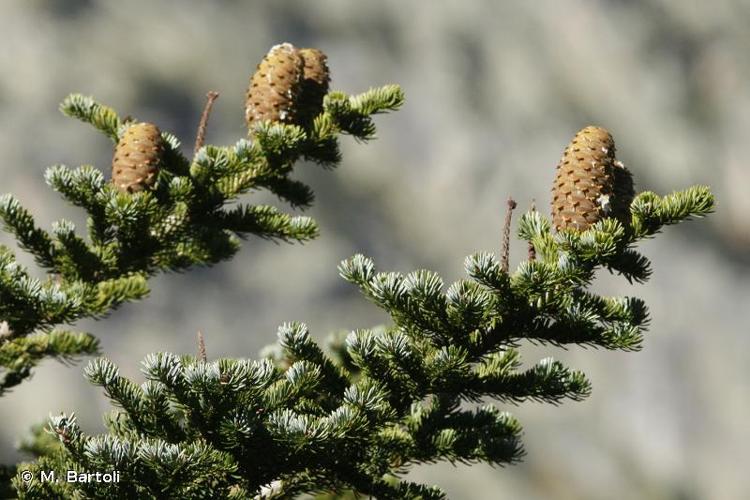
{"x":315,"y":80}
{"x":590,"y":183}
{"x":137,"y":157}
{"x":275,"y":86}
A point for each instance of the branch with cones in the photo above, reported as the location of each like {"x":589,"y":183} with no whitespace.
{"x":427,"y":387}
{"x":160,"y":211}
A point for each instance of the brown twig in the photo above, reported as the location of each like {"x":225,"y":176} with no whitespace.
{"x":506,"y":236}
{"x":200,"y":137}
{"x":532,"y":250}
{"x":202,"y":347}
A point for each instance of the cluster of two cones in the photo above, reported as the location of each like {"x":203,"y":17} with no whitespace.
{"x":288,"y":86}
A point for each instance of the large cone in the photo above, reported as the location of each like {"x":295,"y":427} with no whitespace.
{"x":590,"y":183}
{"x":275,"y":86}
{"x":137,"y":157}
{"x":315,"y":80}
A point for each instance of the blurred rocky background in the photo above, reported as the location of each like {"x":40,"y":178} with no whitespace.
{"x":494,"y":90}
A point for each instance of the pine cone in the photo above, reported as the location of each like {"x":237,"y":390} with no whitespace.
{"x":275,"y":86}
{"x":590,"y":183}
{"x":315,"y":80}
{"x":137,"y":157}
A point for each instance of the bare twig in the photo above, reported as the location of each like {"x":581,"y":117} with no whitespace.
{"x":200,"y":137}
{"x":532,"y":250}
{"x":201,"y":347}
{"x":506,"y":235}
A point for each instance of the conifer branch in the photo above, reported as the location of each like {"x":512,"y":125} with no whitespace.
{"x":99,"y":116}
{"x":413,"y":392}
{"x":425,"y":388}
{"x":18,"y":356}
{"x":159,"y":213}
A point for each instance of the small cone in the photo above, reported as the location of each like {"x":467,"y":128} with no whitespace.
{"x":137,"y":157}
{"x":315,"y":80}
{"x":275,"y":86}
{"x":590,"y":183}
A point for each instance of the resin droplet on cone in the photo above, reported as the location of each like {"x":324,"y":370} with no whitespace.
{"x":275,"y":86}
{"x":590,"y":183}
{"x":137,"y":156}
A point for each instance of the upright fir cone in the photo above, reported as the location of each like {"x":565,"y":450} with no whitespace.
{"x":315,"y":80}
{"x":590,"y":183}
{"x":275,"y":86}
{"x":137,"y":157}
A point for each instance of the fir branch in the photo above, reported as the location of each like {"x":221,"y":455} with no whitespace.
{"x":18,"y":356}
{"x":111,"y":293}
{"x":396,"y":396}
{"x":268,"y":222}
{"x":182,"y":220}
{"x":548,"y":381}
{"x":650,"y":212}
{"x":378,"y":100}
{"x":322,"y":146}
{"x":86,"y":109}
{"x":82,"y":187}
{"x":296,"y":193}
{"x":18,"y":221}
{"x":387,"y":398}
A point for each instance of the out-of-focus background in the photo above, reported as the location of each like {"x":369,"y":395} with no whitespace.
{"x":494,"y":90}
